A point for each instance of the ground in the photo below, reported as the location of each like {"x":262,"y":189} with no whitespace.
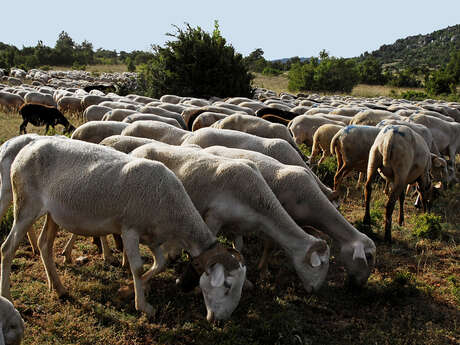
{"x":412,"y":296}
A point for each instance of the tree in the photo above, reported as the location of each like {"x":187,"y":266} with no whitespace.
{"x":255,"y":61}
{"x":370,"y":71}
{"x":64,"y":49}
{"x":196,"y":64}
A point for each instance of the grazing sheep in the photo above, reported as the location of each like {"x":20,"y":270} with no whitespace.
{"x":257,"y":126}
{"x":298,"y":191}
{"x":10,"y":100}
{"x":118,"y":105}
{"x":39,"y":115}
{"x":402,"y":157}
{"x":150,"y":117}
{"x":164,"y":113}
{"x":231,"y":195}
{"x":303,"y":127}
{"x":70,"y":104}
{"x":276,"y":148}
{"x":90,"y":100}
{"x":40,"y":98}
{"x":206,"y":119}
{"x":96,"y":131}
{"x":322,"y":141}
{"x":351,"y":145}
{"x":11,"y":324}
{"x":275,"y":119}
{"x":287,"y":115}
{"x":372,"y":117}
{"x":92,"y":190}
{"x":118,"y":114}
{"x":341,"y":118}
{"x":190,"y":114}
{"x":156,"y":130}
{"x":446,"y":136}
{"x":95,"y":112}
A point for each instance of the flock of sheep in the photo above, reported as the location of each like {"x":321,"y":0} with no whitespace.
{"x":172,"y":173}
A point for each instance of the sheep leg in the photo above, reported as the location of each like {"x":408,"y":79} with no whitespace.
{"x":67,"y":252}
{"x":389,"y":212}
{"x":367,"y":200}
{"x":158,"y":266}
{"x":131,"y":243}
{"x":263,"y":263}
{"x":22,"y":127}
{"x":401,"y":208}
{"x":107,"y":252}
{"x":340,"y":175}
{"x":47,"y":128}
{"x":45,"y":242}
{"x":23,"y":220}
{"x":360,"y":176}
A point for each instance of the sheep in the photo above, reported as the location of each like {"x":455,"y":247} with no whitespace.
{"x":70,"y":104}
{"x":156,"y":130}
{"x":95,"y":112}
{"x":190,"y":114}
{"x":96,"y":131}
{"x":176,"y":108}
{"x":372,"y":117}
{"x":297,"y":190}
{"x":275,"y":119}
{"x":173,"y":99}
{"x":231,"y":194}
{"x":322,"y":141}
{"x":257,"y":126}
{"x":303,"y":127}
{"x":39,"y":115}
{"x":11,"y":324}
{"x":288,"y":115}
{"x":206,"y":119}
{"x":402,"y":157}
{"x":90,"y":100}
{"x":446,"y":136}
{"x":123,"y":191}
{"x":10,"y":100}
{"x":234,"y":107}
{"x":118,"y":114}
{"x":118,"y":105}
{"x":341,"y":118}
{"x":40,"y":98}
{"x":351,"y":146}
{"x":276,"y":148}
{"x":164,"y":113}
{"x":143,"y":117}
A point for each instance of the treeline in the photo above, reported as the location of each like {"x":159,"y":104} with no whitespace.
{"x":330,"y":74}
{"x":66,"y":52}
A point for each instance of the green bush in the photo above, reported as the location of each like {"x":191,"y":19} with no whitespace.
{"x":428,"y":226}
{"x":414,"y":95}
{"x":330,"y":74}
{"x":441,"y":82}
{"x":370,"y":72}
{"x":326,"y":171}
{"x":6,"y":223}
{"x":404,"y":78}
{"x":196,"y":64}
{"x":270,"y":71}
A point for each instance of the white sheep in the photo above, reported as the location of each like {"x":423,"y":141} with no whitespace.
{"x":164,"y":113}
{"x":117,"y":114}
{"x":10,"y":100}
{"x":95,"y":131}
{"x":156,"y":130}
{"x":297,"y":190}
{"x":150,"y":117}
{"x":231,"y":195}
{"x":303,"y":127}
{"x":402,"y":157}
{"x":11,"y":324}
{"x":372,"y":117}
{"x":322,"y":141}
{"x":206,"y":119}
{"x":93,"y":190}
{"x":95,"y":112}
{"x":40,"y":98}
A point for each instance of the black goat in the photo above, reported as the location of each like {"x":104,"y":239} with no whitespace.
{"x":39,"y":115}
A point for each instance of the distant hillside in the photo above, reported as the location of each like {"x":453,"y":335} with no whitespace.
{"x":431,"y":50}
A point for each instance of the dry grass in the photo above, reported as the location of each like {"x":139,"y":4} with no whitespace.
{"x":275,"y":83}
{"x":412,"y":297}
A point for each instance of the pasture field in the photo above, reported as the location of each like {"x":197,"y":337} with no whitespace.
{"x":412,"y":297}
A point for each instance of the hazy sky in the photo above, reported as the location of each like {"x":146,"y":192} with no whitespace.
{"x":281,"y":28}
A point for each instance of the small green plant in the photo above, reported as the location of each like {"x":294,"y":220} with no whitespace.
{"x":6,"y":223}
{"x":45,"y":68}
{"x":427,"y":226}
{"x":414,"y":95}
{"x":326,"y":171}
{"x":270,"y":71}
{"x":454,"y":287}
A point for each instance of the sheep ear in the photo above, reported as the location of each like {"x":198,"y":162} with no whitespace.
{"x":217,"y":275}
{"x":315,"y":260}
{"x":2,"y":339}
{"x":358,"y":253}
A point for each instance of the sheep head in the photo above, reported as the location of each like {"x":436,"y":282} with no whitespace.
{"x":11,"y":324}
{"x":223,"y":273}
{"x":313,"y":266}
{"x":358,"y":258}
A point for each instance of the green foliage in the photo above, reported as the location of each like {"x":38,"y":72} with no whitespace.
{"x":6,"y":223}
{"x":370,"y":72}
{"x":270,"y":71}
{"x":404,"y":78}
{"x":330,"y":74}
{"x":326,"y":171}
{"x":441,"y":82}
{"x":130,"y":64}
{"x":427,"y":226}
{"x":196,"y":64}
{"x":413,"y":95}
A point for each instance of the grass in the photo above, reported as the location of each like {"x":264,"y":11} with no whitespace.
{"x":412,"y":296}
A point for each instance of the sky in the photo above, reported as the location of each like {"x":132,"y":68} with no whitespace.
{"x":282,"y":28}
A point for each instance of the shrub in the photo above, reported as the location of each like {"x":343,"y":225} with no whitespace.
{"x":370,"y":72}
{"x":271,"y":71}
{"x":414,"y":95}
{"x":440,"y":82}
{"x":427,"y":226}
{"x":405,"y":78}
{"x":326,"y":171}
{"x":196,"y":64}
